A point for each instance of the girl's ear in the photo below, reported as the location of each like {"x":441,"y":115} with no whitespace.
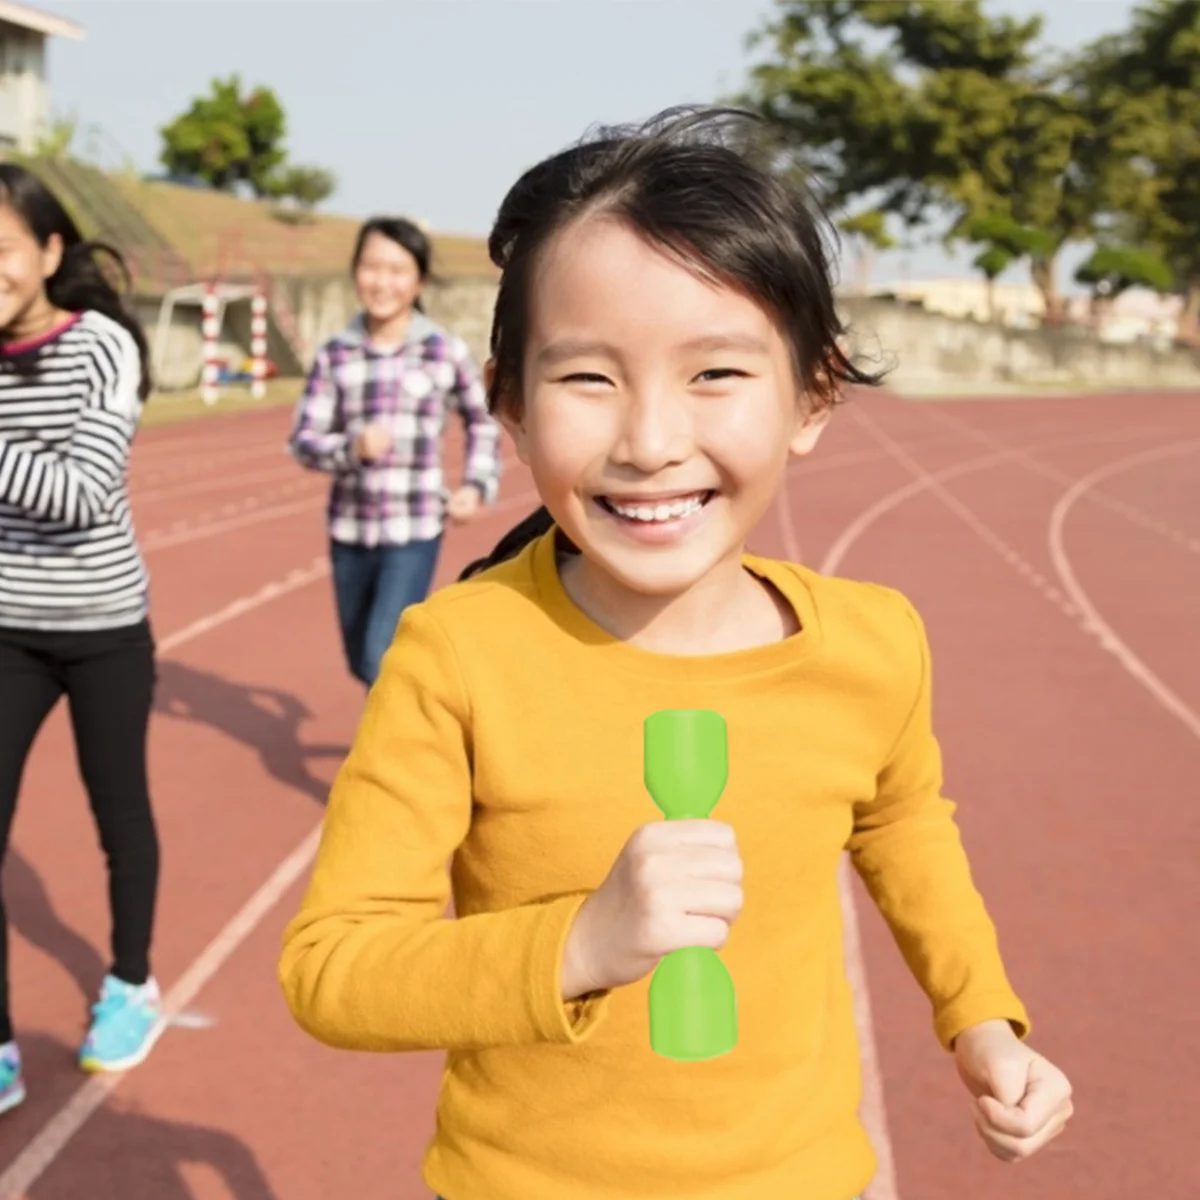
{"x":808,"y":431}
{"x":506,"y":413}
{"x":52,"y":256}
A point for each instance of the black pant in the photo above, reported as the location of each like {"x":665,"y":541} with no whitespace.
{"x":108,"y":679}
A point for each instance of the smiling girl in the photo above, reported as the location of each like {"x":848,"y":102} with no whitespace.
{"x":73,"y":586}
{"x":665,"y":339}
{"x":373,"y":414}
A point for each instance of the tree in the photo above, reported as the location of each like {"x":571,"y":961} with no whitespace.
{"x":1112,"y":270}
{"x":227,"y":138}
{"x":992,"y":262}
{"x":307,"y":186}
{"x":1005,"y":242}
{"x":913,"y":119}
{"x":935,"y":110}
{"x":1152,"y":73}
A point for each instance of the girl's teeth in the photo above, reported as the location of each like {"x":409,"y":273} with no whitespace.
{"x":661,"y":512}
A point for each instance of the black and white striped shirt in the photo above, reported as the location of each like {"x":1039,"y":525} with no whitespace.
{"x":69,"y":409}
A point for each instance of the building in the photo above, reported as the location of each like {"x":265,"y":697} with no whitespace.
{"x":24,"y":91}
{"x":1135,"y":315}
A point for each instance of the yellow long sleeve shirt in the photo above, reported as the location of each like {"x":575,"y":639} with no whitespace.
{"x":499,"y":763}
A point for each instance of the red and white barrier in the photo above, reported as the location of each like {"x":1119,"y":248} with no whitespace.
{"x":258,"y":345}
{"x":210,"y":328}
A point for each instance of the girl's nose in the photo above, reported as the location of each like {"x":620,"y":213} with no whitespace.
{"x":655,"y":432}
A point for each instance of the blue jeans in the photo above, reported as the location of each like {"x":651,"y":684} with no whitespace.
{"x":373,"y":586}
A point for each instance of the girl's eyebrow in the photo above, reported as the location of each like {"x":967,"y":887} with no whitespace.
{"x":567,"y":348}
{"x":745,"y":342}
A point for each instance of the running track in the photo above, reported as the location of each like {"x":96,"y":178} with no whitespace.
{"x":1053,"y":547}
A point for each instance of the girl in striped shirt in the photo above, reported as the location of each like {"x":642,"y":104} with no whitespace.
{"x":73,"y":586}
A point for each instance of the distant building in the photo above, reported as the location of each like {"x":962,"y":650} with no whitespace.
{"x":1135,"y":315}
{"x":969,"y":297}
{"x":24,"y":92}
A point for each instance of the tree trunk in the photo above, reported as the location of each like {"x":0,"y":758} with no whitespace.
{"x":1189,"y":320}
{"x":1042,"y":274}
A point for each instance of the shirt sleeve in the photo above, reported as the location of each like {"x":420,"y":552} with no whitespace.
{"x":483,"y":431}
{"x":319,"y":440}
{"x":907,"y":848}
{"x":73,"y":487}
{"x":372,"y":961}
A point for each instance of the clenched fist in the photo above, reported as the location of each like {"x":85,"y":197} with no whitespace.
{"x":372,"y":443}
{"x":674,"y":884}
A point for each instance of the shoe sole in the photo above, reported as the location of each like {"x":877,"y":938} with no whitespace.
{"x":15,"y":1097}
{"x":96,"y":1066}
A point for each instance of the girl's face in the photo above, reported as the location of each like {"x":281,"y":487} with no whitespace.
{"x":659,"y":411}
{"x":24,"y":268}
{"x":386,"y":278}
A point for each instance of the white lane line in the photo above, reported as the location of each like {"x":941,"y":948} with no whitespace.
{"x":1092,"y":620}
{"x":1025,"y":459}
{"x":164,"y":541}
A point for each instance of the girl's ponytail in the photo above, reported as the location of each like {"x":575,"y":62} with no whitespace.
{"x":81,"y":285}
{"x":536,"y":525}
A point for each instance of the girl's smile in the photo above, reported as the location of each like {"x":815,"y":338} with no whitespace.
{"x":657,"y":519}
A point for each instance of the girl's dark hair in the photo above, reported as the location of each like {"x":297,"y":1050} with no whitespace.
{"x":404,"y":233}
{"x":699,"y":184}
{"x":80,"y":283}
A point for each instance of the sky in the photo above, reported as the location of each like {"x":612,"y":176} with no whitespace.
{"x":432,"y":108}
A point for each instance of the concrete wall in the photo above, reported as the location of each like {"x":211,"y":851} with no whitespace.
{"x":930,"y":353}
{"x":317,"y":308}
{"x":927,"y":352}
{"x":305,"y":312}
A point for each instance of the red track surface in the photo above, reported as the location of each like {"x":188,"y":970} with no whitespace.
{"x":1066,"y":697}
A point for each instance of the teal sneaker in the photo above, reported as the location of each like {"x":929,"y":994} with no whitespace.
{"x":126,"y":1022}
{"x":12,"y":1084}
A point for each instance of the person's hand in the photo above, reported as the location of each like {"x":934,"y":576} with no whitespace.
{"x":1022,"y":1100}
{"x":372,"y":442}
{"x":463,"y":504}
{"x":674,"y":884}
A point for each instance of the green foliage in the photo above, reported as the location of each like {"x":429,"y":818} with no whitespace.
{"x":307,"y":186}
{"x":1112,"y":270}
{"x":870,"y":227}
{"x":228,"y":137}
{"x":993,"y":262}
{"x":58,"y":139}
{"x":940,"y":112}
{"x":1151,"y":72}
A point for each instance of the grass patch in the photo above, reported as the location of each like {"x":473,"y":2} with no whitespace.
{"x":173,"y":408}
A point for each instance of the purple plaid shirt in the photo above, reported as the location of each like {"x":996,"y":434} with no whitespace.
{"x":410,"y":389}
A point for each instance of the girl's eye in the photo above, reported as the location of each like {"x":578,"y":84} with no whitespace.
{"x":717,"y":374}
{"x":584,"y":377}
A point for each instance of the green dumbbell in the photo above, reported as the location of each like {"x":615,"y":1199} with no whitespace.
{"x":693,"y":1007}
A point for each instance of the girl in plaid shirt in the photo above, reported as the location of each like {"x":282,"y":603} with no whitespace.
{"x":373,"y":414}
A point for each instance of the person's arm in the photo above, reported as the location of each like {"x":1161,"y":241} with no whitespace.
{"x":469,"y":397}
{"x":372,"y":962}
{"x":72,"y":487}
{"x":908,"y":851}
{"x":319,"y":440}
